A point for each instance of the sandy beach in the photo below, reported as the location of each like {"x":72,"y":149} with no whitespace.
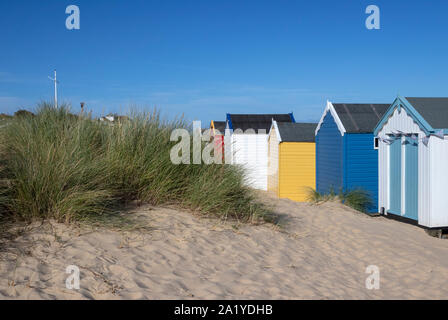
{"x":318,"y":252}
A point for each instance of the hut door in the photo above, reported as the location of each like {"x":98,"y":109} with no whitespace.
{"x":411,"y":179}
{"x":395,"y":177}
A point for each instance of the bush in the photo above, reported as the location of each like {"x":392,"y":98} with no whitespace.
{"x":57,"y":165}
{"x":23,"y":113}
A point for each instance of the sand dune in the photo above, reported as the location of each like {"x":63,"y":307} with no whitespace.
{"x":321,"y":252}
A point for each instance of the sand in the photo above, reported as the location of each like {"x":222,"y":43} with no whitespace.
{"x":320,"y":252}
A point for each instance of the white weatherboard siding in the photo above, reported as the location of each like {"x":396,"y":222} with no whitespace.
{"x":439,"y":181}
{"x":403,"y":122}
{"x":251,"y":152}
{"x":424,"y":182}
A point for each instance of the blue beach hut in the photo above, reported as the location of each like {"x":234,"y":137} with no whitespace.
{"x":346,"y":157}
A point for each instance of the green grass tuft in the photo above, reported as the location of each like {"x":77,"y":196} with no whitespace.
{"x":313,"y":196}
{"x":357,"y":199}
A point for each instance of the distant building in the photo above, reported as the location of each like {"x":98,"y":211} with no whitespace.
{"x":114,"y":118}
{"x":109,"y":118}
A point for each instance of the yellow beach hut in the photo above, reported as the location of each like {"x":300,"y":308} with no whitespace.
{"x":291,"y":159}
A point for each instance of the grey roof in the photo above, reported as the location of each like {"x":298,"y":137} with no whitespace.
{"x":433,"y":110}
{"x":220,"y":126}
{"x":257,"y":121}
{"x":296,"y":132}
{"x":360,"y":118}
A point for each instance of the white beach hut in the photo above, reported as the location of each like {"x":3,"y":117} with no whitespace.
{"x":246,"y":144}
{"x":412,"y":138}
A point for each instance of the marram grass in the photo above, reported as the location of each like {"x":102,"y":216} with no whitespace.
{"x":70,"y":167}
{"x":358,"y":199}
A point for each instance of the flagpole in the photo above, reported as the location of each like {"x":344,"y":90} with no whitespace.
{"x":55,"y":89}
{"x":55,"y":80}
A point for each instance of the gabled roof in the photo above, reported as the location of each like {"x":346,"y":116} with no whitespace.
{"x":433,"y":110}
{"x":360,"y":118}
{"x":355,"y":117}
{"x":430,"y":114}
{"x":296,"y":132}
{"x":256,"y":121}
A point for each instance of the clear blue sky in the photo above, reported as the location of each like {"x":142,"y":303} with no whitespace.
{"x":205,"y":58}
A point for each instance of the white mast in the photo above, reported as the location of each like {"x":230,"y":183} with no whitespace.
{"x":55,"y":80}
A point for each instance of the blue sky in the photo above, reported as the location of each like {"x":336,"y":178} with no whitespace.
{"x":205,"y":58}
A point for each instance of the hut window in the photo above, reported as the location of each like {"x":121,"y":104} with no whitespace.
{"x":376,"y":143}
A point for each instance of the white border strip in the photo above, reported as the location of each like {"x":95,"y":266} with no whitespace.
{"x":275,"y":126}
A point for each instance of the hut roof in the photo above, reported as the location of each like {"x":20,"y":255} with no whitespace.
{"x":433,"y":110}
{"x":256,"y":121}
{"x":360,"y":118}
{"x":296,"y":132}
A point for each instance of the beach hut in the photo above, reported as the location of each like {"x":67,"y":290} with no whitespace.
{"x":246,"y":144}
{"x":346,"y":158}
{"x":291,"y":159}
{"x":413,"y":150}
{"x":217,"y":129}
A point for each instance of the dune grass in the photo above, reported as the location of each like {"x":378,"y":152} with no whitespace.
{"x":358,"y":199}
{"x":314,"y":196}
{"x":71,"y":167}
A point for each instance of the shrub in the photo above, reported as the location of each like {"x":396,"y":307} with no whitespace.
{"x":23,"y":113}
